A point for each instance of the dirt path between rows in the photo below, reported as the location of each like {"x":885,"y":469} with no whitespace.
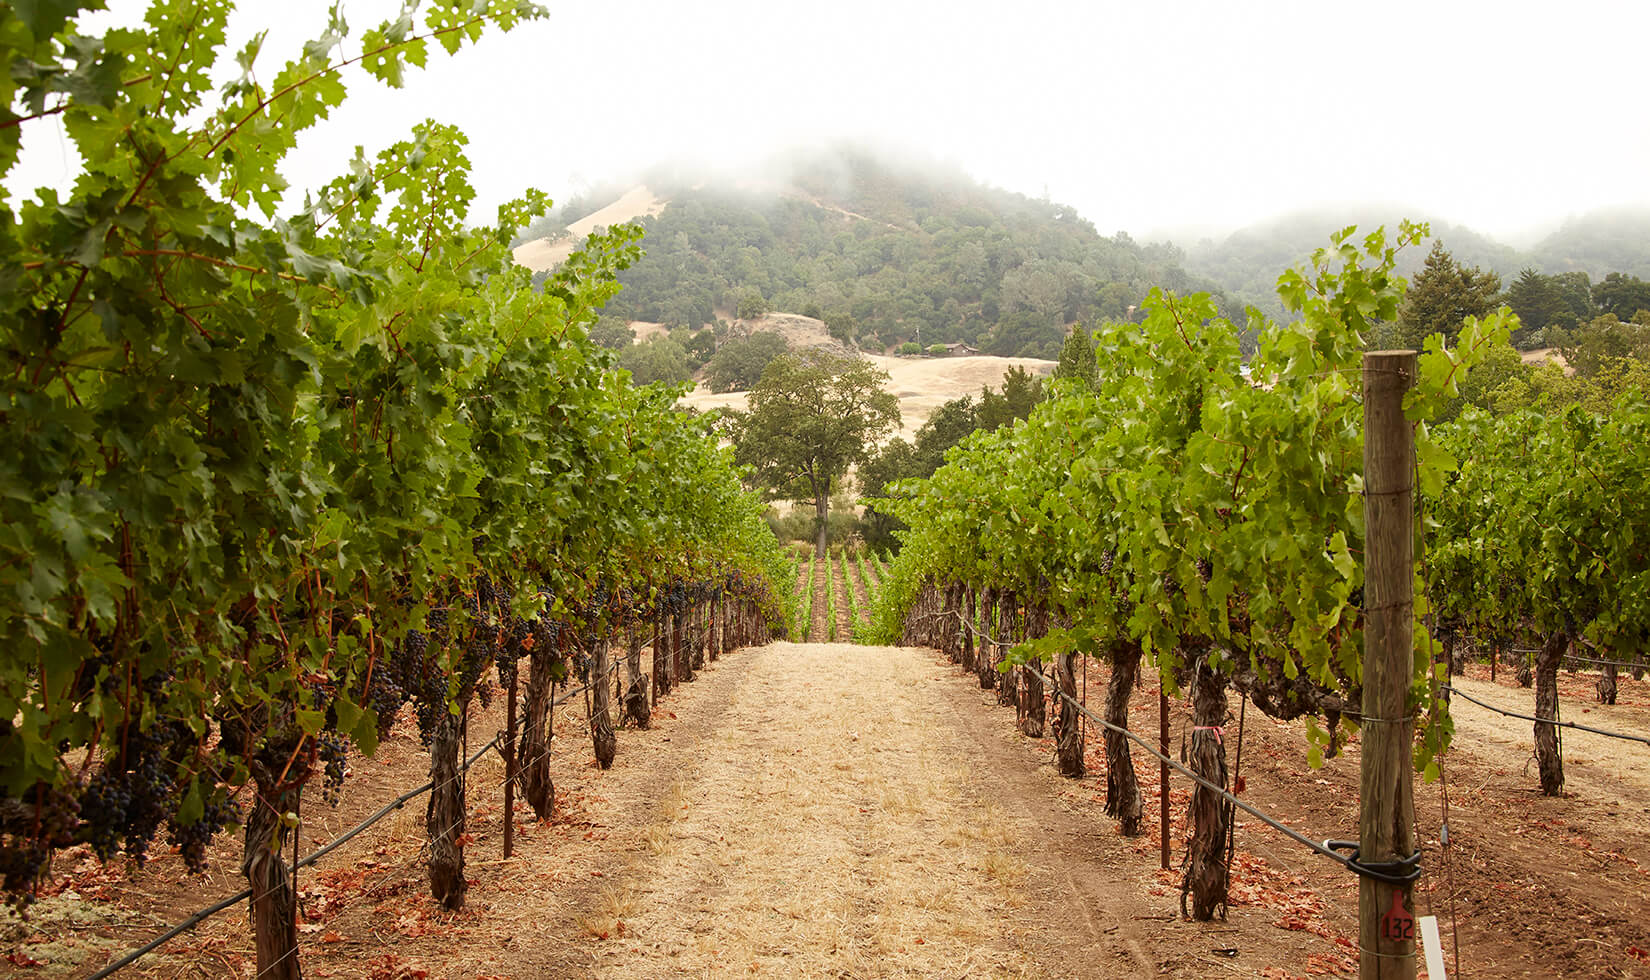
{"x":844,"y":609}
{"x":843,"y":811}
{"x":862,"y":592}
{"x":819,"y":622}
{"x":826,"y":810}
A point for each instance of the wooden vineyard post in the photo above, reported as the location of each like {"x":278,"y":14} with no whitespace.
{"x":1163,"y":766}
{"x":1386,"y":935}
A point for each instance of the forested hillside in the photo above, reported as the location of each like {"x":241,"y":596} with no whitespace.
{"x":1598,"y":244}
{"x":885,"y":255}
{"x":1247,"y":263}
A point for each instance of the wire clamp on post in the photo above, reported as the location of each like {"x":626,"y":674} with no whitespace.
{"x":1402,"y":871}
{"x":1367,"y":720}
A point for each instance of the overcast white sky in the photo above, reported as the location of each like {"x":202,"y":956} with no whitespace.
{"x":1506,"y":116}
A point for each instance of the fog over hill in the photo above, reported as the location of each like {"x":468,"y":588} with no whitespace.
{"x":883,"y":252}
{"x":1248,"y":261}
{"x":893,"y":250}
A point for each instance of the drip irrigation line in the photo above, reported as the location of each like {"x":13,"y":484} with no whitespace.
{"x":1600,"y":661}
{"x":314,"y":856}
{"x":1626,"y":664}
{"x":1401,"y":871}
{"x":1547,"y":721}
{"x":183,"y":926}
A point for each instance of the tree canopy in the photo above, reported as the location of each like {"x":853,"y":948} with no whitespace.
{"x":656,"y":359}
{"x":1020,"y":393}
{"x":948,"y":426}
{"x":739,"y":363}
{"x":812,"y":415}
{"x":1443,"y":294}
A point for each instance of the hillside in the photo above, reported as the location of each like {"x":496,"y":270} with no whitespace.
{"x":1598,"y":243}
{"x":544,"y":254}
{"x":1247,"y":262}
{"x":883,"y":254}
{"x":921,"y":384}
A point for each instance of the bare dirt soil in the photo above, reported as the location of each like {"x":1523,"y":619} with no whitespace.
{"x":838,"y":811}
{"x":844,"y":610}
{"x":819,"y":624}
{"x":1530,"y":886}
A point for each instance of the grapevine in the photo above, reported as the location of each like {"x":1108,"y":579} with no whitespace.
{"x":266,"y":481}
{"x":1194,"y":507}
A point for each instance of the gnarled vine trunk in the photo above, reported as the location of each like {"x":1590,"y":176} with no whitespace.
{"x":1209,"y":814}
{"x":1452,"y":644}
{"x":713,"y":638}
{"x":602,"y":737}
{"x":1607,"y":684}
{"x":1123,"y":800}
{"x":274,"y":908}
{"x":951,"y":624}
{"x":444,"y":812}
{"x":1068,"y":731}
{"x":1547,"y":755}
{"x":682,"y":643}
{"x":696,"y":639}
{"x":533,"y":765}
{"x":1008,"y":684}
{"x":970,"y":612}
{"x":662,"y":657}
{"x":1031,"y":709}
{"x":636,"y":704}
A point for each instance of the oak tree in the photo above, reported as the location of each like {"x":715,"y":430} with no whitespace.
{"x":812,"y":416}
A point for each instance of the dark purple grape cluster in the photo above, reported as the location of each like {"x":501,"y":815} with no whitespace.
{"x":478,"y":653}
{"x":410,"y":659}
{"x":547,"y":632}
{"x":515,"y":633}
{"x":25,"y":852}
{"x":430,"y":703}
{"x":470,"y":602}
{"x":22,"y":864}
{"x":124,"y":807}
{"x":333,"y":749}
{"x":321,"y":693}
{"x":385,"y":697}
{"x":193,"y":838}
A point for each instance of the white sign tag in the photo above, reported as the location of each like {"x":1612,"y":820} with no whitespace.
{"x":1434,"y":947}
